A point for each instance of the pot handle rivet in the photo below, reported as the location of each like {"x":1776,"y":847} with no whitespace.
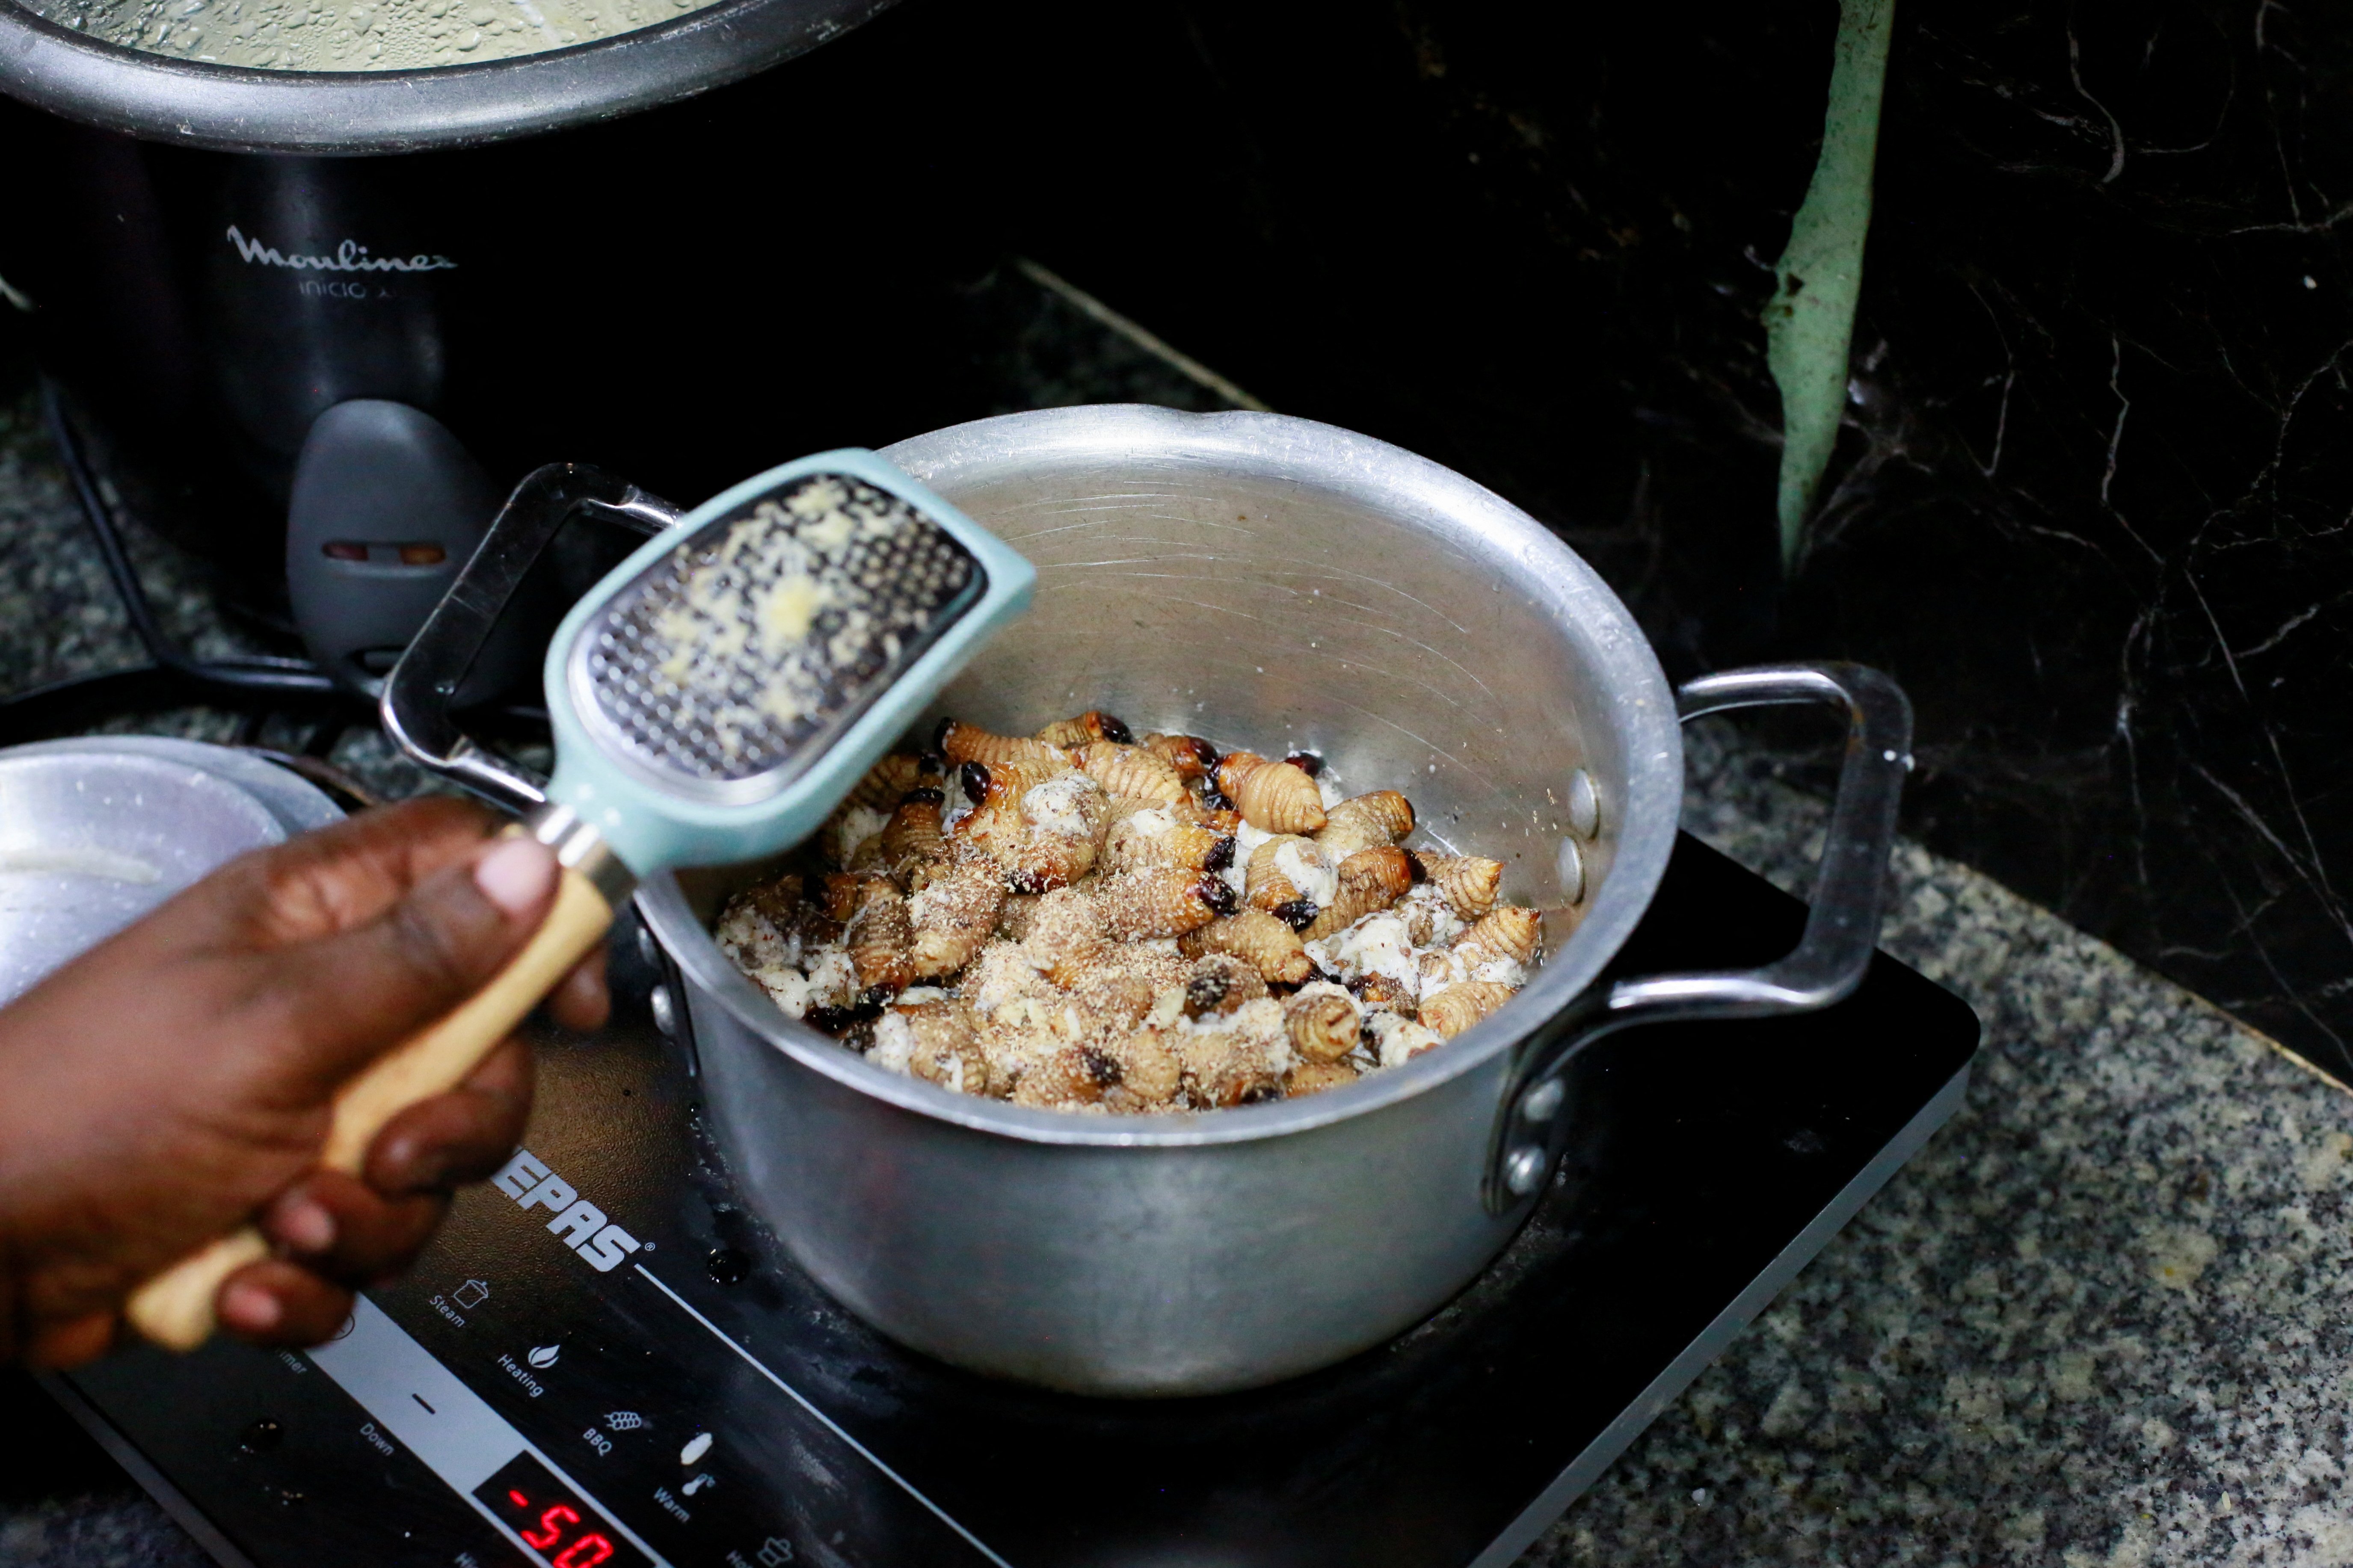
{"x":1524,"y":1170}
{"x":1542,"y":1102}
{"x":664,"y":1010}
{"x":1584,"y":804}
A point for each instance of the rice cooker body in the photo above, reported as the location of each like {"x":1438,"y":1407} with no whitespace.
{"x":681,"y":294}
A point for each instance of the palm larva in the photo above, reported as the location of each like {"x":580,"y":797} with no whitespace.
{"x":1287,"y":869}
{"x":1042,"y":827}
{"x":1461,"y":1005}
{"x":1130,"y":773}
{"x":1221,"y":984}
{"x":837,"y":896}
{"x":1371,"y":821}
{"x":1378,"y":990}
{"x":970,"y":743}
{"x":1315,"y":1077}
{"x":1067,"y":936}
{"x":1223,"y":1069}
{"x":1369,"y":880}
{"x":1396,"y":1039}
{"x":1191,"y":756}
{"x":1507,"y":932}
{"x":1430,"y":921}
{"x":1322,"y":1021}
{"x":1219,"y":819}
{"x":944,"y":1046}
{"x":1149,"y":1069}
{"x":1257,"y":936}
{"x":1093,"y":725}
{"x":1069,"y":910}
{"x":1112,"y":1000}
{"x":1469,"y":882}
{"x":1160,"y":902}
{"x":952,"y":915}
{"x":1159,"y":837}
{"x":1000,"y":786}
{"x":1157,"y":963}
{"x":877,"y":937}
{"x":1274,"y":797}
{"x":1070,"y":1076}
{"x":912,"y":836}
{"x":888,"y":780}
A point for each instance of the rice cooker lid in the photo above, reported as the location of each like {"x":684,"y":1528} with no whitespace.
{"x":197,"y":103}
{"x":95,"y":832}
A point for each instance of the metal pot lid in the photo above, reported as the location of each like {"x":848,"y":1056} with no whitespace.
{"x":166,"y":98}
{"x":95,"y":832}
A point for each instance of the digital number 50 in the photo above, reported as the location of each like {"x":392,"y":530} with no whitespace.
{"x":585,"y":1552}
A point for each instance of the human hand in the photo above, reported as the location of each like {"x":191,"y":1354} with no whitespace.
{"x":179,"y":1079}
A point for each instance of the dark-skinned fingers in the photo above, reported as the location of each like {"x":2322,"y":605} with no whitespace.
{"x":581,"y":1000}
{"x":276,"y":1302}
{"x":345,"y":1231}
{"x":462,"y":1136}
{"x":76,"y":1341}
{"x":347,"y":873}
{"x":347,"y":998}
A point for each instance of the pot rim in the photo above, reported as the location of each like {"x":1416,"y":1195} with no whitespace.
{"x":1347,"y":463}
{"x":246,"y":109}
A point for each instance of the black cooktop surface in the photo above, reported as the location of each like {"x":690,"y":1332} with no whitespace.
{"x":528,"y":1395}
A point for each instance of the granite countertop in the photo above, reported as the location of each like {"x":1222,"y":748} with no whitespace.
{"x":2100,"y":1320}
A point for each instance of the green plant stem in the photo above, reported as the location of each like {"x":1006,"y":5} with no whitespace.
{"x":1810,"y":321}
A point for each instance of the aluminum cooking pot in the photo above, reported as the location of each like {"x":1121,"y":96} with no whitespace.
{"x":1281,"y":584}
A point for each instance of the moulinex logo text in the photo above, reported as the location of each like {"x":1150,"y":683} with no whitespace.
{"x":349,"y":256}
{"x":580,"y":1223}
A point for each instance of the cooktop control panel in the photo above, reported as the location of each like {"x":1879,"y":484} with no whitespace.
{"x":456,"y":1421}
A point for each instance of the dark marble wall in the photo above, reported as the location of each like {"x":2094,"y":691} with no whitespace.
{"x":2095,"y":500}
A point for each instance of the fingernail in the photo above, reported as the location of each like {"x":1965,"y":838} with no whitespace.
{"x":251,"y":1307}
{"x":307,"y":1226}
{"x":516,"y":875}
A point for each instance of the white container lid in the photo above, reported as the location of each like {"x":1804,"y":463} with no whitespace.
{"x":96,"y":832}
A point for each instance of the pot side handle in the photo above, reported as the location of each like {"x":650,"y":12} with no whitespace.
{"x":1827,"y":964}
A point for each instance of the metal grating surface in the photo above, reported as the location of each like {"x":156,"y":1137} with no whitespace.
{"x":772,"y":627}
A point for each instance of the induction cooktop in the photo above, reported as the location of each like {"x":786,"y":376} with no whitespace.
{"x":529,"y":1395}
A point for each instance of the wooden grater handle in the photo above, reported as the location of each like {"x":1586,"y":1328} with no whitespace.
{"x":176,"y":1308}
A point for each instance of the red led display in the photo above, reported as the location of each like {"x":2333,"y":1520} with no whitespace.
{"x":560,"y":1526}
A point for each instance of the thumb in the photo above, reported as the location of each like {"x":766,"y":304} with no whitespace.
{"x":357,"y":993}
